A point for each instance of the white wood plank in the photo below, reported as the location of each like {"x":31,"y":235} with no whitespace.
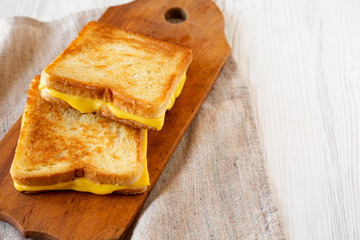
{"x":45,"y":10}
{"x":302,"y":59}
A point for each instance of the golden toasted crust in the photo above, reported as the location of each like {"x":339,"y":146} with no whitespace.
{"x":135,"y":190}
{"x":135,"y":72}
{"x":58,"y":144}
{"x":103,"y":111}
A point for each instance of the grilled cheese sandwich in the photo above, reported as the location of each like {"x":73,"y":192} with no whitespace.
{"x":89,"y":105}
{"x":127,"y":77}
{"x":61,"y":149}
{"x":83,"y":184}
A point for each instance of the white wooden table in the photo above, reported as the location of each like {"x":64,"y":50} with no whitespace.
{"x":302,"y":60}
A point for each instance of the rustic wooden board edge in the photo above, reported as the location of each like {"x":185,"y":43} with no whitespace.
{"x":9,"y":143}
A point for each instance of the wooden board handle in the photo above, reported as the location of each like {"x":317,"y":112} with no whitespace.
{"x":76,"y":215}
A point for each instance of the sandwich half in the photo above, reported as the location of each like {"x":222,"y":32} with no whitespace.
{"x":127,"y":77}
{"x":59,"y":149}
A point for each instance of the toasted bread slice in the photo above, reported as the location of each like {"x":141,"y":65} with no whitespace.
{"x":60,"y":148}
{"x":134,"y":73}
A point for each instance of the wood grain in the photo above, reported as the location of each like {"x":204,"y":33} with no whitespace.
{"x":295,"y":55}
{"x":74,"y":215}
{"x":302,"y":61}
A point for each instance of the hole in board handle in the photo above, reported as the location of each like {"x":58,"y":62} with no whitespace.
{"x":175,"y":15}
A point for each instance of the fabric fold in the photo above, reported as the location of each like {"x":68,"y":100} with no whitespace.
{"x":215,"y":186}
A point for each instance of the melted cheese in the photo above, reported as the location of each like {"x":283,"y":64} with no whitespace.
{"x":85,"y":185}
{"x":89,"y":105}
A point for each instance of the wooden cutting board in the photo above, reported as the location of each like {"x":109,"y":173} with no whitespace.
{"x":76,"y":215}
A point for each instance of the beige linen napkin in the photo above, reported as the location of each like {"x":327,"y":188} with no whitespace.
{"x":215,"y":185}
